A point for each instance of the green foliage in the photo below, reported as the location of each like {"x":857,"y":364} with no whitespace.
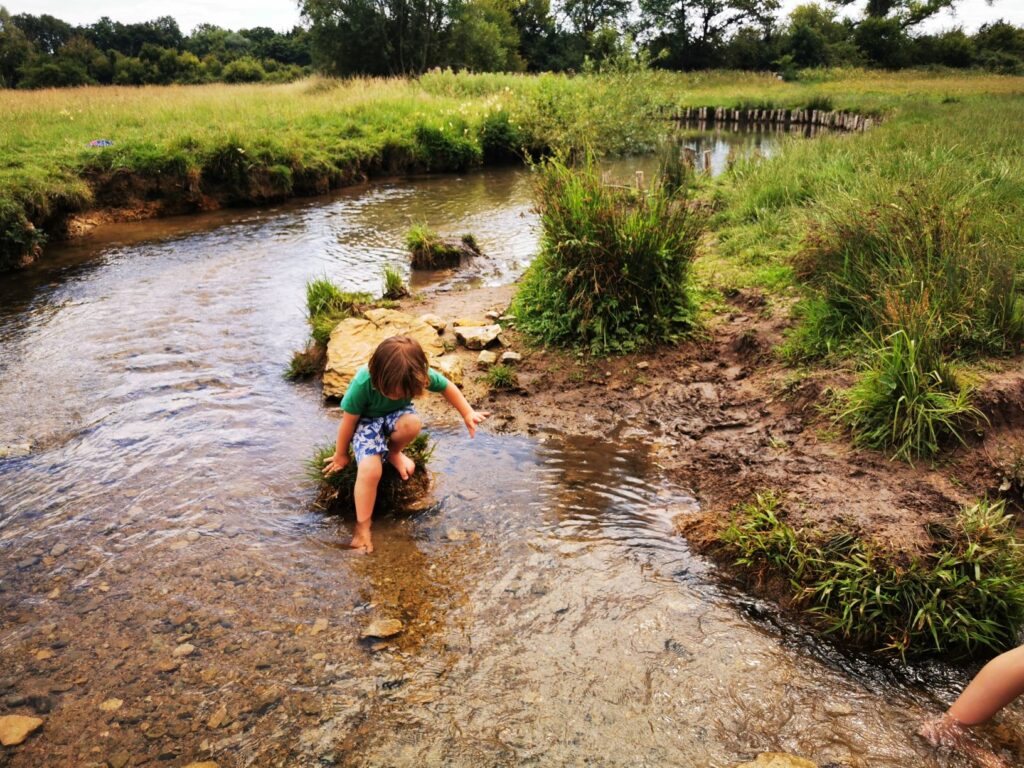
{"x":501,"y":377}
{"x":394,"y":284}
{"x":501,"y":141}
{"x":907,"y":401}
{"x":305,"y":363}
{"x":393,"y":493}
{"x":327,"y":305}
{"x":964,"y":595}
{"x":447,"y":147}
{"x":430,"y":251}
{"x":613,"y":272}
{"x":243,"y":70}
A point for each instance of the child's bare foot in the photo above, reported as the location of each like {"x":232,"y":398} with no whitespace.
{"x":402,"y":463}
{"x":946,"y":731}
{"x":361,"y":539}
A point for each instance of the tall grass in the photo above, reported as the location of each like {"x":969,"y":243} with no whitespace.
{"x":613,"y":272}
{"x":327,"y":305}
{"x":964,"y":595}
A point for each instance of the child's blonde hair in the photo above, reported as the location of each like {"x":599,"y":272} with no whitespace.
{"x":399,"y":367}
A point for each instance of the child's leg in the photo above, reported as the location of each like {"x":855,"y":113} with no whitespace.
{"x":405,"y":431}
{"x":999,"y":682}
{"x":368,"y":475}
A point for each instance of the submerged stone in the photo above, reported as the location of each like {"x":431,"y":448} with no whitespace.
{"x":354,"y":339}
{"x":778,"y":760}
{"x":14,"y":729}
{"x":383,"y":628}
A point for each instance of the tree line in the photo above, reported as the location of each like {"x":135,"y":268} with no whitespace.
{"x":46,"y":52}
{"x":407,"y":37}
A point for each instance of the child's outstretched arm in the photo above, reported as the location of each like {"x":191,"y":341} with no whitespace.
{"x":346,"y":429}
{"x":472,"y":417}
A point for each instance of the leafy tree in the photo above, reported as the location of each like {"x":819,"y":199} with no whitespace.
{"x":45,"y":32}
{"x":15,"y":50}
{"x":906,"y":13}
{"x":538,"y":35}
{"x":243,"y":70}
{"x":587,"y":16}
{"x":484,"y":38}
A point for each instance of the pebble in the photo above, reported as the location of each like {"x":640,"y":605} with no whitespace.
{"x":15,"y":450}
{"x":185,"y":649}
{"x":119,"y":759}
{"x":205,"y":764}
{"x":492,"y":315}
{"x":28,"y":562}
{"x":836,"y":708}
{"x":454,"y":534}
{"x":111,"y":705}
{"x":318,"y":626}
{"x":14,"y":729}
{"x":58,"y":549}
{"x":510,"y":357}
{"x":217,"y":718}
{"x":486,"y":359}
{"x":383,"y":628}
{"x":44,"y":655}
{"x":643,"y":365}
{"x":169,"y":665}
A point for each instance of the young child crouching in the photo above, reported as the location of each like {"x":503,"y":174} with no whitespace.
{"x":379,"y":421}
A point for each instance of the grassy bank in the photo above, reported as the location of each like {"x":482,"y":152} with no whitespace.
{"x":184,"y":148}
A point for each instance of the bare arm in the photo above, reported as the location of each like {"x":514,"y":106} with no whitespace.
{"x":346,"y":429}
{"x":458,"y":401}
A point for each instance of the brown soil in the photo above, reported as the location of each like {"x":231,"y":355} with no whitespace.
{"x":728,"y":420}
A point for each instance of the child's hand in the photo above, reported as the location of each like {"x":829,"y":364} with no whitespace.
{"x":335,"y":463}
{"x":473,"y":418}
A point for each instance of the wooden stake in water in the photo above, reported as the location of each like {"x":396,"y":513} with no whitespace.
{"x":690,"y":158}
{"x":640,"y":180}
{"x":707,"y":162}
{"x":606,"y":178}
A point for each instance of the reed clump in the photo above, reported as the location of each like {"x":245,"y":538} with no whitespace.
{"x":393,"y":494}
{"x":613,"y":272}
{"x":327,"y":305}
{"x":431,"y":251}
{"x":964,"y":595}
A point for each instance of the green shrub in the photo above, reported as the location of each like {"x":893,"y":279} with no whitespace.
{"x":907,"y":401}
{"x":913,"y":262}
{"x":449,"y":147}
{"x":962,"y":596}
{"x":613,"y":272}
{"x":393,"y":493}
{"x":500,"y":140}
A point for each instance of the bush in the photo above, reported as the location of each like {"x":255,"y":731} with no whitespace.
{"x":914,"y":263}
{"x":962,"y":596}
{"x":907,"y":400}
{"x":393,"y":493}
{"x":613,"y":272}
{"x":500,"y":140}
{"x":243,"y":70}
{"x":447,"y":148}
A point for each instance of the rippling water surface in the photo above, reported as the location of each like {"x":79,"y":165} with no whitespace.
{"x":158,"y":545}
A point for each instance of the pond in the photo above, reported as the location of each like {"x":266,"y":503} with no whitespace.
{"x":160,"y":555}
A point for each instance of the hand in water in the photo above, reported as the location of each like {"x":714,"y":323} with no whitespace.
{"x":946,"y":731}
{"x":474,"y":418}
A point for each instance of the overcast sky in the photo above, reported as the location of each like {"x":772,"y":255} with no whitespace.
{"x":282,"y":15}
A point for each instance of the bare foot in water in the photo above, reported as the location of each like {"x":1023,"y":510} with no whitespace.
{"x":402,"y":463}
{"x":946,"y":731}
{"x":361,"y":538}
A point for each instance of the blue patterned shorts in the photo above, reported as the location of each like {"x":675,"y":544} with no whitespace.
{"x":371,"y":436}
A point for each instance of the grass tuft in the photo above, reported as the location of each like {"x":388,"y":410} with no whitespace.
{"x":431,"y":251}
{"x":501,"y":377}
{"x":963,"y":596}
{"x":613,"y":272}
{"x":327,"y":305}
{"x":394,"y":285}
{"x":393,"y":493}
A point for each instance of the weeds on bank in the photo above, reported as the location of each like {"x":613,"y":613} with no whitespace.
{"x":965,"y":595}
{"x":613,"y":272}
{"x":394,"y":284}
{"x":336,"y":489}
{"x":501,"y":377}
{"x":431,"y":251}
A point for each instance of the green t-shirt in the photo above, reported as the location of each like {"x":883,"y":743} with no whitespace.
{"x":363,"y":400}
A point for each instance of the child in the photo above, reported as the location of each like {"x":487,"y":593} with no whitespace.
{"x":379,"y":420}
{"x":997,"y":684}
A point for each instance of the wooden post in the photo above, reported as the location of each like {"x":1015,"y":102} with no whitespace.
{"x":640,"y":180}
{"x":606,"y":178}
{"x":690,"y":158}
{"x":707,"y":161}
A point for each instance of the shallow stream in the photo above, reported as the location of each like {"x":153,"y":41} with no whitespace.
{"x":159,"y":547}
